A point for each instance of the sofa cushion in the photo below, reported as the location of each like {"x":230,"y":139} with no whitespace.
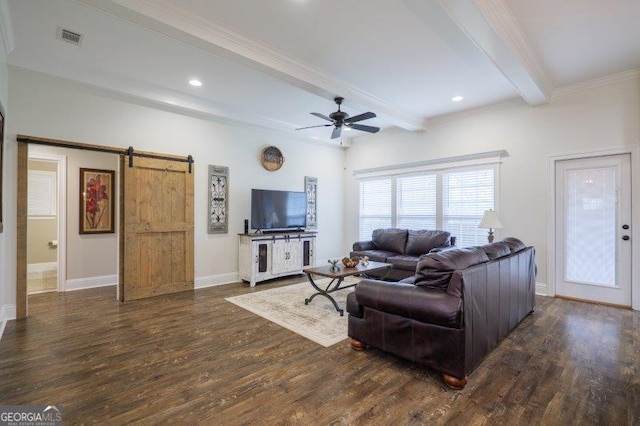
{"x":514,"y":244}
{"x":390,"y":239}
{"x":496,"y":250}
{"x":422,"y":241}
{"x":435,"y":269}
{"x":408,"y":263}
{"x":427,"y":305}
{"x":374,"y":255}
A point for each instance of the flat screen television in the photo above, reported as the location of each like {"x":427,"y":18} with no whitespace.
{"x":273,"y":210}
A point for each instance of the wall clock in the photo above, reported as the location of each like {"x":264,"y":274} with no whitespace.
{"x":271,"y":158}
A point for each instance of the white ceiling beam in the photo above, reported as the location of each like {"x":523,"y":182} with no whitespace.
{"x":163,"y":17}
{"x":491,"y":26}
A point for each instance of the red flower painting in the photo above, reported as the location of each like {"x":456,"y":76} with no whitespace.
{"x":97,"y":209}
{"x":95,"y":193}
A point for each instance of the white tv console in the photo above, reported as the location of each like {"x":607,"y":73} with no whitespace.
{"x":265,"y":256}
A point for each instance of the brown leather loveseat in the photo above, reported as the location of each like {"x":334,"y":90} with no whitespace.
{"x":459,"y":305}
{"x":402,"y":248}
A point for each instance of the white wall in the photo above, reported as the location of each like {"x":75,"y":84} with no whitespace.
{"x":597,"y":119}
{"x":48,"y":107}
{"x":7,"y":240}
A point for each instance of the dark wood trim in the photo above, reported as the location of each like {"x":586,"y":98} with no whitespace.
{"x":21,"y":225}
{"x":100,"y":148}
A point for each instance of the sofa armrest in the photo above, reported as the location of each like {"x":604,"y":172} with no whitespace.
{"x":363,"y":245}
{"x":428,"y":305}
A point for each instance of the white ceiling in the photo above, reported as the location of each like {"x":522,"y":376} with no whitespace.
{"x":272,"y":62}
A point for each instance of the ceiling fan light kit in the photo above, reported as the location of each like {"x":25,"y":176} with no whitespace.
{"x":340,"y":119}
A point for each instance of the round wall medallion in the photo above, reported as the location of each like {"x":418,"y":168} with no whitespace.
{"x":271,"y":158}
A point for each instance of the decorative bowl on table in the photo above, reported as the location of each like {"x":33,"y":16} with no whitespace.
{"x":350,"y":263}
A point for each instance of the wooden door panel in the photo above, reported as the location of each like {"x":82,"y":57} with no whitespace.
{"x":158,"y":228}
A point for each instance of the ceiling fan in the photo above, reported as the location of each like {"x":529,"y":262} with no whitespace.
{"x":341,"y":119}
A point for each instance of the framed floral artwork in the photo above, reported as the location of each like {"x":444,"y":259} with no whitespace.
{"x":97,"y":206}
{"x":218,"y":200}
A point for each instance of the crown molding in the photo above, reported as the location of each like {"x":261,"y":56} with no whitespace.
{"x":596,"y":82}
{"x":177,"y":23}
{"x":472,"y":112}
{"x":6,"y":27}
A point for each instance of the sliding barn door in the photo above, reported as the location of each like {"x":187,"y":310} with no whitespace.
{"x":156,"y":252}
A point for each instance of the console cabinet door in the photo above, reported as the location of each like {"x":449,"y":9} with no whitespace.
{"x":279,"y":257}
{"x":286,"y":256}
{"x":308,"y":250}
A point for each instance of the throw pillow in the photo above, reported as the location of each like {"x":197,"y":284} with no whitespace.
{"x":423,"y":241}
{"x":390,"y":239}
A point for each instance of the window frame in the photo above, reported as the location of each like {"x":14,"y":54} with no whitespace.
{"x":437,"y":167}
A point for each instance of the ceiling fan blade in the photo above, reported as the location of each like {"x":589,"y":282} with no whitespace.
{"x":324,"y":117}
{"x":370,"y":129}
{"x":311,"y":127}
{"x":360,"y":117}
{"x":336,"y":132}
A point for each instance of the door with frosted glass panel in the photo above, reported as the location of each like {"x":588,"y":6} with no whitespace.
{"x":593,"y":220}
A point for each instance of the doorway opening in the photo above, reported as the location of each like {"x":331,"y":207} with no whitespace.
{"x":46,"y":230}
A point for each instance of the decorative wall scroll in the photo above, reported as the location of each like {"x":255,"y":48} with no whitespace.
{"x":311,"y":188}
{"x":218,"y":200}
{"x":97,"y":206}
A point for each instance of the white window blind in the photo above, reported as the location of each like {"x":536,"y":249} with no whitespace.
{"x":466,"y":194}
{"x":590,"y":226}
{"x":41,"y":198}
{"x":416,"y":201}
{"x":451,"y":199}
{"x":375,"y":206}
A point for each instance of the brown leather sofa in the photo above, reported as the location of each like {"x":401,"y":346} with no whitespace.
{"x":402,"y":248}
{"x":459,"y":305}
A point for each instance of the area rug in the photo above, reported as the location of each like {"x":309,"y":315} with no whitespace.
{"x":318,"y":321}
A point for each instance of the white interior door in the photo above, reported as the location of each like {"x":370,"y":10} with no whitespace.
{"x":593,"y":235}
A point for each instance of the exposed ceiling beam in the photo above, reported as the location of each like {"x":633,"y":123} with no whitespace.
{"x":165,"y":18}
{"x":495,"y":32}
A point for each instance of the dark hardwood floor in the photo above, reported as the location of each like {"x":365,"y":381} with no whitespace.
{"x":195,"y":358}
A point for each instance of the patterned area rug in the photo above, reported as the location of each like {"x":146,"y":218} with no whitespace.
{"x":318,"y":321}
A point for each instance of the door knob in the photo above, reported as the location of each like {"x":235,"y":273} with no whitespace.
{"x":625,"y":226}
{"x":625,"y":237}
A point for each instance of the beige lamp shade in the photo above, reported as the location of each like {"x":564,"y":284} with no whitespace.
{"x":490,"y":220}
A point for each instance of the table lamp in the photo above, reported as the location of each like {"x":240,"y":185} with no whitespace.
{"x":491,"y":221}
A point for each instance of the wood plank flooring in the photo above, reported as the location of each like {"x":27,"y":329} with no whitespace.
{"x":193,"y":358}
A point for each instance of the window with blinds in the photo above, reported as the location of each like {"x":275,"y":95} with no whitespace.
{"x":375,"y":206}
{"x":416,"y":201}
{"x":452,"y":199}
{"x":466,"y":194}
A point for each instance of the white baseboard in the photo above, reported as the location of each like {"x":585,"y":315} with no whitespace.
{"x":542,"y":289}
{"x":215,"y":280}
{"x":42,"y":267}
{"x":7,"y":313}
{"x":90,"y":282}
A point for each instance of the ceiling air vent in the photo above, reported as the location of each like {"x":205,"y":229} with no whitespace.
{"x":69,"y":36}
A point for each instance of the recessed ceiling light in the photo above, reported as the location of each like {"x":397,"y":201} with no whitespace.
{"x":196,"y":83}
{"x":457,"y":98}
